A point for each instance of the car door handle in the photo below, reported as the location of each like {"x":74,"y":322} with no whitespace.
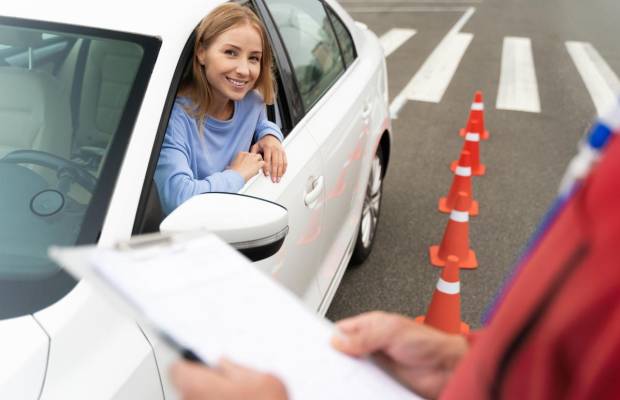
{"x":366,"y":110}
{"x":313,"y":194}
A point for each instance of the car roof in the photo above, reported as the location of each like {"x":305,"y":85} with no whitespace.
{"x":153,"y":18}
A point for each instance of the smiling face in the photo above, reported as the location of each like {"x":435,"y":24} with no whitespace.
{"x":232,"y":62}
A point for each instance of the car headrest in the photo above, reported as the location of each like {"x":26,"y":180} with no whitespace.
{"x":17,"y":37}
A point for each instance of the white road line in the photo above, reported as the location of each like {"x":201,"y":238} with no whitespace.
{"x":433,"y":77}
{"x":394,"y":38}
{"x":398,"y":103}
{"x":462,"y":21}
{"x":601,"y":82}
{"x":518,"y":88}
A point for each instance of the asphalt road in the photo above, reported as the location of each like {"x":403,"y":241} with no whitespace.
{"x":525,"y":156}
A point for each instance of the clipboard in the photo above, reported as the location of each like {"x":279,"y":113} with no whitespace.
{"x":206,"y":300}
{"x":72,"y":261}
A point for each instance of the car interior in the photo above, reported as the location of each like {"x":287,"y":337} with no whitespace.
{"x":63,"y":97}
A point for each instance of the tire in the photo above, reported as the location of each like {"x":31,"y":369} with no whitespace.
{"x":369,"y":218}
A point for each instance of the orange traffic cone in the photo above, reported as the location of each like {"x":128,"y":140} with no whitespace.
{"x":460,"y":183}
{"x":444,"y":312}
{"x":472,"y":144}
{"x":456,"y":237}
{"x":476,"y":112}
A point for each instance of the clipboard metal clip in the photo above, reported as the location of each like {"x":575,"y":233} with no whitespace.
{"x":152,"y":241}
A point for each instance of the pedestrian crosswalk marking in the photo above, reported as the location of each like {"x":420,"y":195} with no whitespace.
{"x":438,"y":71}
{"x":432,"y":79}
{"x":518,"y":87}
{"x":429,"y":73}
{"x":518,"y":82}
{"x":601,"y":82}
{"x":394,"y":38}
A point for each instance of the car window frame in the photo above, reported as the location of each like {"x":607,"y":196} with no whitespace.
{"x":288,"y":81}
{"x":331,"y":14}
{"x":285,"y":53}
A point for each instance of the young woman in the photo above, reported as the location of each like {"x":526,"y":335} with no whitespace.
{"x":220,"y":111}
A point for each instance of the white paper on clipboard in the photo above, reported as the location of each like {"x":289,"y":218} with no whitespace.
{"x":208,"y":298}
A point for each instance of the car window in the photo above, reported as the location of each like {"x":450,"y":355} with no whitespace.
{"x":311,"y":45}
{"x":344,"y":37}
{"x":63,"y":93}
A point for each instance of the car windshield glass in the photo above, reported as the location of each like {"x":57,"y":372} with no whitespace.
{"x":66,"y":95}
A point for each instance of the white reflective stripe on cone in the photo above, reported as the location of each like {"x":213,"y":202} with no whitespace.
{"x":448,"y":287}
{"x":459,"y":216}
{"x":462,"y":171}
{"x":477,"y":106}
{"x":472,"y":137}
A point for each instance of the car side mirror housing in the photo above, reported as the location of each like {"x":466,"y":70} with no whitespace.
{"x":255,"y":227}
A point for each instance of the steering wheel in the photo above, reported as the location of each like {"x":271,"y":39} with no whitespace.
{"x":62,"y":166}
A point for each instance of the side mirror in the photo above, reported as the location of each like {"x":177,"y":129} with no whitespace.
{"x":255,"y":227}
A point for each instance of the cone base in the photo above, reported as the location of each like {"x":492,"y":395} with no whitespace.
{"x":471,"y":262}
{"x":485,"y":135}
{"x":463,"y":329}
{"x":442,"y":207}
{"x":475,"y":171}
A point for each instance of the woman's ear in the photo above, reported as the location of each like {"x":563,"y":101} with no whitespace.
{"x":202,"y":55}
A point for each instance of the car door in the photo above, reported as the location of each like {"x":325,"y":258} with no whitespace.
{"x":301,"y":190}
{"x":24,"y":346}
{"x":333,"y":91}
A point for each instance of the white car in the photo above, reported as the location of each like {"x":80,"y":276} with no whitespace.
{"x":86,"y":89}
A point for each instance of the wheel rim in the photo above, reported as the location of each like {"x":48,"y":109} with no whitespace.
{"x":372,"y":203}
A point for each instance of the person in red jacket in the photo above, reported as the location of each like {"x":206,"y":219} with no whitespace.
{"x":554,"y":334}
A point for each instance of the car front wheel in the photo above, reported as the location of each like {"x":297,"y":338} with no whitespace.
{"x":370,"y":210}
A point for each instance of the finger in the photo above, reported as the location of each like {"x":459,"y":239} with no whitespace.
{"x":230,"y":368}
{"x":266,"y":385}
{"x":365,"y":333}
{"x":275,"y":164}
{"x":280,"y":165}
{"x":193,"y":380}
{"x":267,"y":156}
{"x":255,"y":148}
{"x":242,"y":155}
{"x":284,"y":162}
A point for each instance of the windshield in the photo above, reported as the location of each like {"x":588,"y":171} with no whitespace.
{"x":68,"y":100}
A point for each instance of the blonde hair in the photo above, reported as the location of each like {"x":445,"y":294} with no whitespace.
{"x":222,"y":18}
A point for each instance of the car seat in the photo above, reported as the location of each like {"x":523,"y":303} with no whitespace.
{"x":109,"y":72}
{"x":34,"y":111}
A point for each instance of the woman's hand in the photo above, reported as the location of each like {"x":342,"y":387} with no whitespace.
{"x":225,"y":381}
{"x":273,"y":154}
{"x":421,"y":357}
{"x":247,"y":164}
